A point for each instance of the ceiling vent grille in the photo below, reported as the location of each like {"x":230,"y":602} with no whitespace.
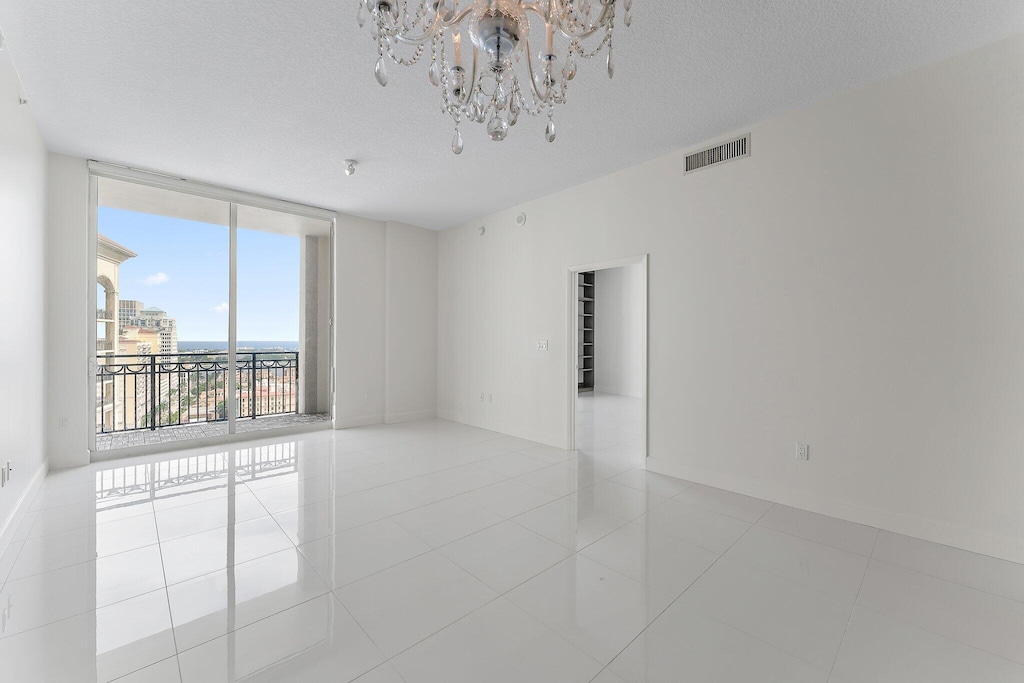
{"x":719,"y":154}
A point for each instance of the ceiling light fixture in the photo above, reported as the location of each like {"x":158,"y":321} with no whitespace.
{"x":350,"y":166}
{"x":501,"y":77}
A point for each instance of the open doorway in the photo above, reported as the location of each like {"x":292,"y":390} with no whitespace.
{"x":608,"y":387}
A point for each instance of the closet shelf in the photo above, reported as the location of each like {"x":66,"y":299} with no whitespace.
{"x":585,"y":307}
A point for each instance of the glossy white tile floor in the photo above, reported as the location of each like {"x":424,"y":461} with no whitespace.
{"x":432,"y":551}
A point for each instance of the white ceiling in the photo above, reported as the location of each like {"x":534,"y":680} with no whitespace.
{"x":270,"y":96}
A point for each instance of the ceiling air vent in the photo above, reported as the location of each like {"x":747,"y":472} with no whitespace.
{"x":719,"y":154}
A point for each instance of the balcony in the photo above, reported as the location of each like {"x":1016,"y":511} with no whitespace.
{"x":159,"y":398}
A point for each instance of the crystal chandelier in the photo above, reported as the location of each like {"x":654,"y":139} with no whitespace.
{"x":496,"y":76}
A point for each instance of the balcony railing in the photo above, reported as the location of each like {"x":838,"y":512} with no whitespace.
{"x":135,"y":484}
{"x":168,"y":389}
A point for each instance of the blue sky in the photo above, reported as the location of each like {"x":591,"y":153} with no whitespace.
{"x":182,"y":268}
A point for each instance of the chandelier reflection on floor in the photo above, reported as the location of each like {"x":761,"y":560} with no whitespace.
{"x":495,"y":76}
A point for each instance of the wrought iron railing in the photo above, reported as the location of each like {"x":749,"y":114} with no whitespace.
{"x":168,"y":389}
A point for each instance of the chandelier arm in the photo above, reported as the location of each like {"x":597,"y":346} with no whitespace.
{"x":572,"y":35}
{"x":535,"y":8}
{"x":474,"y":75}
{"x":537,"y":97}
{"x":462,"y":101}
{"x":456,"y":19}
{"x":429,"y":32}
{"x":603,"y":22}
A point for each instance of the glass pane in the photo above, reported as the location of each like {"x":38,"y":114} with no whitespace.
{"x":283,"y":283}
{"x":162,"y":315}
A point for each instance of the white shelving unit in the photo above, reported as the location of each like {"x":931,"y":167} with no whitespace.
{"x":586,"y":322}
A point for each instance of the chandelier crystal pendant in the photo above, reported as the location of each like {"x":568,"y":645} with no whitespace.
{"x":495,"y":75}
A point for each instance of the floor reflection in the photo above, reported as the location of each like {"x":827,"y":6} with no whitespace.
{"x":128,"y":564}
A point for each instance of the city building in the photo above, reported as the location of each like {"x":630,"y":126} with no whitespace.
{"x":109,"y":257}
{"x":154,"y":319}
{"x":129,"y":309}
{"x":710,"y":369}
{"x":139,"y":341}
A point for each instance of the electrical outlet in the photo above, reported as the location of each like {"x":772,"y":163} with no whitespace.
{"x":481,"y":398}
{"x":64,"y":423}
{"x":803,"y":451}
{"x":542,"y":345}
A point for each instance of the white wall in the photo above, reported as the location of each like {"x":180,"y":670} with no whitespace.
{"x":386,"y":322}
{"x":618,"y":331}
{"x":23,"y":331}
{"x":67,"y":312}
{"x":359,"y":321}
{"x":411,"y":323}
{"x":857,"y":284}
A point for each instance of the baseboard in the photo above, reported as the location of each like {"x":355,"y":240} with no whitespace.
{"x":347,"y":422}
{"x":13,"y":521}
{"x":599,"y":390}
{"x":395,"y":418}
{"x":546,"y":439}
{"x":965,"y":538}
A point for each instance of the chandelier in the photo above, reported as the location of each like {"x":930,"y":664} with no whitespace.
{"x":495,"y":76}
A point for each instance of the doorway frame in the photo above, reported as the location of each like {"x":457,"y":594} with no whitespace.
{"x":572,"y":330}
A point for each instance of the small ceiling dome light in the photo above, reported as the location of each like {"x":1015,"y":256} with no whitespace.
{"x":350,"y":166}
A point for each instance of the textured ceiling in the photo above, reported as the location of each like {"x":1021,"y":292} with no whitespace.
{"x":271,"y":96}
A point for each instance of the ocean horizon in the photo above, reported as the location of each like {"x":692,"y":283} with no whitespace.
{"x":223,"y":345}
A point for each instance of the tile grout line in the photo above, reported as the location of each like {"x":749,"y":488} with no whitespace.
{"x":498,"y":595}
{"x":674,"y":601}
{"x":750,"y":635}
{"x":870,"y":557}
{"x":949,"y":581}
{"x":493,"y":600}
{"x":167,"y":594}
{"x":853,"y":608}
{"x":925,"y":629}
{"x":941,"y":578}
{"x":510,"y":519}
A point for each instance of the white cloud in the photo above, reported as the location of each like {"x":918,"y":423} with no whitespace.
{"x":156,"y":279}
{"x":220,"y":308}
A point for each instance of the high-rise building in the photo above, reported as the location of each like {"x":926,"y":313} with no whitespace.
{"x":133,"y":314}
{"x":128,"y":309}
{"x":109,"y":257}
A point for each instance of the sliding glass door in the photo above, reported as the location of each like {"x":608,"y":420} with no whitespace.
{"x":283,"y":267}
{"x":212,"y":316}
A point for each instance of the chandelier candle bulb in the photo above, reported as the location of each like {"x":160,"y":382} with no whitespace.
{"x":501,"y":77}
